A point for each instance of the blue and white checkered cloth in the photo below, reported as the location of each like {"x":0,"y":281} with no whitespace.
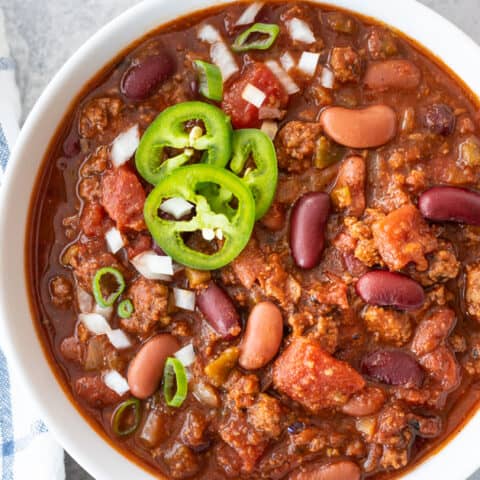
{"x":28,"y":451}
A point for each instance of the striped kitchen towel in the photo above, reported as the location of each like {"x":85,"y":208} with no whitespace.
{"x":28,"y":451}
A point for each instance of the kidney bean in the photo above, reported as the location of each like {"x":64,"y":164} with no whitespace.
{"x":219,"y":310}
{"x":384,"y":288}
{"x":440,"y":119}
{"x":263,"y":336}
{"x":360,"y":128}
{"x":393,"y":367}
{"x":392,"y":74}
{"x":367,"y":402}
{"x":146,"y":369}
{"x":142,"y":79}
{"x":307,"y":229}
{"x":450,"y":204}
{"x":343,"y":470}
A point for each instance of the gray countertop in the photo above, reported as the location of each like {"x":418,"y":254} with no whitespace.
{"x":44,"y":33}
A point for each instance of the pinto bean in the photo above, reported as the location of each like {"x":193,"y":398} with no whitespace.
{"x":263,"y":336}
{"x":142,"y":79}
{"x":367,"y":402}
{"x":451,"y":204}
{"x":307,"y":229}
{"x":393,"y":367}
{"x":343,"y":470}
{"x":392,"y":74}
{"x":360,"y":128}
{"x":146,"y":369}
{"x":384,"y":288}
{"x":219,"y":310}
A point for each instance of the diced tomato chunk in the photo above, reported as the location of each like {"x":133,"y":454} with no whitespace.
{"x":244,"y":114}
{"x":91,"y":220}
{"x":313,"y":378}
{"x":123,"y":198}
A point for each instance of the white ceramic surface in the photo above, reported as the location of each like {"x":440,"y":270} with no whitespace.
{"x":455,"y":462}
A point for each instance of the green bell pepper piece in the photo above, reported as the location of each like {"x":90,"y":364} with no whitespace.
{"x":168,"y":130}
{"x":188,"y":183}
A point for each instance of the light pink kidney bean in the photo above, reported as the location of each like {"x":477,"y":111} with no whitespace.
{"x":219,"y":310}
{"x":142,"y":79}
{"x":450,"y":204}
{"x":366,"y":402}
{"x":392,"y":74}
{"x":366,"y":127}
{"x":391,"y":289}
{"x":343,"y":470}
{"x":146,"y":369}
{"x":263,"y":336}
{"x":307,"y":229}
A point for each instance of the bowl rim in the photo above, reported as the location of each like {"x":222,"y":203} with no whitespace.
{"x":86,"y":446}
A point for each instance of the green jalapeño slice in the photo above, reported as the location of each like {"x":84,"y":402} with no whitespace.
{"x":169,"y":132}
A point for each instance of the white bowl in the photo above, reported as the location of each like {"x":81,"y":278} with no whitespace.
{"x":456,"y":461}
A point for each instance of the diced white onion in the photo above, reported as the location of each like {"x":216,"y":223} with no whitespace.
{"x":209,"y":34}
{"x":105,"y":312}
{"x":287,"y":61}
{"x":253,"y":95}
{"x":300,"y":31}
{"x":85,"y":301}
{"x":208,"y":234}
{"x":114,"y":381}
{"x":219,"y":233}
{"x":177,"y":207}
{"x":95,"y":323}
{"x":222,"y":57}
{"x":153,"y":266}
{"x":283,"y":77}
{"x":188,"y":375}
{"x":114,"y":240}
{"x":184,"y":299}
{"x":270,"y":128}
{"x":219,"y":52}
{"x":249,"y":15}
{"x":125,"y":145}
{"x":119,"y":339}
{"x":308,"y":63}
{"x":186,"y":355}
{"x":327,"y":78}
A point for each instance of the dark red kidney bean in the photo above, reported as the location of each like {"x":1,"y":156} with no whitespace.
{"x":142,"y":79}
{"x":219,"y":310}
{"x":440,"y":119}
{"x":390,"y":289}
{"x":307,"y":229}
{"x":393,"y":367}
{"x":450,"y":204}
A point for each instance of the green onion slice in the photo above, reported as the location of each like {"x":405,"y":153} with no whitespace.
{"x":241,"y":43}
{"x":133,"y":404}
{"x":125,"y":309}
{"x":175,"y":383}
{"x":211,"y":81}
{"x":102,"y":279}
